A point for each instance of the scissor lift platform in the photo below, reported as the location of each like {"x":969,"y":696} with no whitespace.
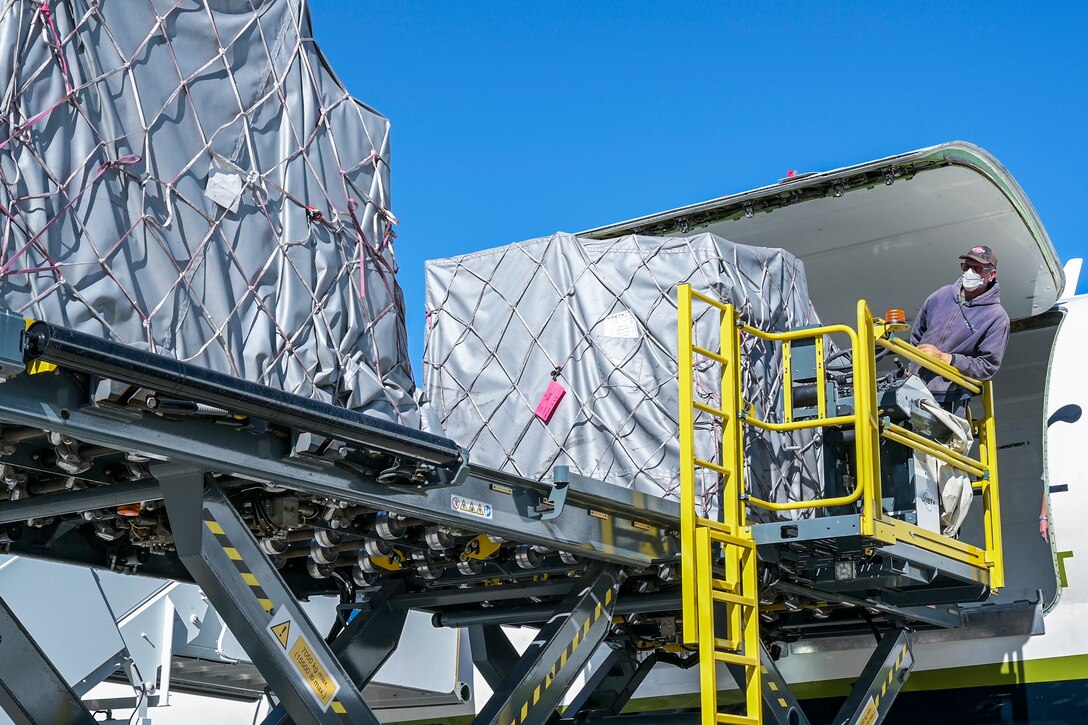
{"x":117,"y":458}
{"x":844,"y":559}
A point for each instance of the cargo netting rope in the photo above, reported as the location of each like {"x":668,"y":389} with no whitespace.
{"x":599,"y":318}
{"x":195,"y":180}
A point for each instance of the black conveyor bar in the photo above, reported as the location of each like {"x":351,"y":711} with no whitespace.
{"x":72,"y":502}
{"x":659,"y":602}
{"x":89,"y":354}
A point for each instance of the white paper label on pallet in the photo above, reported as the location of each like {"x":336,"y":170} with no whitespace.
{"x":298,"y":651}
{"x":621,"y":324}
{"x":470,"y":506}
{"x":224,"y":189}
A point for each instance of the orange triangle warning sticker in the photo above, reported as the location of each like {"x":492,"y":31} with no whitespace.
{"x":282,"y":631}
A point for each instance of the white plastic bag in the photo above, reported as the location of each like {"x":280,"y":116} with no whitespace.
{"x":954,"y":484}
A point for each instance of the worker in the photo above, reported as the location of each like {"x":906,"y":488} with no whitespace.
{"x":964,"y":325}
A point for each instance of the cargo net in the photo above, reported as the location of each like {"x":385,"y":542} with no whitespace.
{"x":197,"y":182}
{"x":599,"y":318}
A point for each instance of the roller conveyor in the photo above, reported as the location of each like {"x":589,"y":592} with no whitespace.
{"x":263,"y":497}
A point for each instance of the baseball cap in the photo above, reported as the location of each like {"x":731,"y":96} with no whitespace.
{"x":981,"y":254}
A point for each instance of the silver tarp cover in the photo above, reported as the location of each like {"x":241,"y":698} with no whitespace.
{"x":193,"y":178}
{"x":601,"y":316}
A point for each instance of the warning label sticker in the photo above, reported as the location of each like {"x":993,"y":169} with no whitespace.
{"x":282,"y":632}
{"x":868,"y":715}
{"x":289,"y":640}
{"x":471,"y":506}
{"x":317,"y":677}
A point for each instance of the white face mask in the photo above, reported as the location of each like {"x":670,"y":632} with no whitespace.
{"x":971,"y":280}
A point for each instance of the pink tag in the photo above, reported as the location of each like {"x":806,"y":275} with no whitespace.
{"x":547,"y":405}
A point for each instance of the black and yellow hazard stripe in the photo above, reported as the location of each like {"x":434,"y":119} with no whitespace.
{"x":239,"y":562}
{"x":579,"y":636}
{"x":891,"y":674}
{"x":773,"y":686}
{"x":254,"y":584}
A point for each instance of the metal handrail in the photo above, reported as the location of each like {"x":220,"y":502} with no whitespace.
{"x":922,"y":444}
{"x":738,"y":591}
{"x":701,"y":586}
{"x":984,"y":468}
{"x":857,"y":419}
{"x":868,"y":429}
{"x":946,"y":371}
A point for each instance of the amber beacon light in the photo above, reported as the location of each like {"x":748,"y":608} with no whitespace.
{"x":892,"y":317}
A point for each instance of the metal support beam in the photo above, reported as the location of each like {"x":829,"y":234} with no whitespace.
{"x":364,"y":645}
{"x":529,"y":613}
{"x":371,"y":636}
{"x":535,"y":686}
{"x":168,"y":376}
{"x":881,"y":680}
{"x":492,"y":653}
{"x":71,"y":502}
{"x":611,"y":686}
{"x":555,"y":586}
{"x":673,"y":717}
{"x":262,"y":613}
{"x":779,"y":704}
{"x":32,"y":692}
{"x":934,"y":616}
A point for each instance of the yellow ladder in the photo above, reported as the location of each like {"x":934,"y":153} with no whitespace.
{"x":718,"y":557}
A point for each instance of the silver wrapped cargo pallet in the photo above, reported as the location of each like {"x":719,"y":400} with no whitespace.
{"x":563,"y":351}
{"x":195,"y":180}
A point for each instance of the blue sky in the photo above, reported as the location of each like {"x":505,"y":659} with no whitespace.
{"x":514,"y":120}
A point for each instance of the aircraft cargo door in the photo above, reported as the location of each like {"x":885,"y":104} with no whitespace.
{"x":1066,"y":436}
{"x":1021,"y":389}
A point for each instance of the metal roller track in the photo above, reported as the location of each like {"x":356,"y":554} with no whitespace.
{"x":599,"y":521}
{"x":590,"y":518}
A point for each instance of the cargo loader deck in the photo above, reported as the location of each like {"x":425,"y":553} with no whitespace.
{"x":120,"y":459}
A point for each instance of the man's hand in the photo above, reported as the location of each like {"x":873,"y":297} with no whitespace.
{"x":931,"y":350}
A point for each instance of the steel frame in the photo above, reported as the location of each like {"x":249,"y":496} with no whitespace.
{"x":492,"y":653}
{"x":870,"y":698}
{"x":610,"y":527}
{"x":261,"y":611}
{"x":936,"y":579}
{"x":880,"y":681}
{"x":31,"y":689}
{"x":610,"y":687}
{"x":535,"y":686}
{"x":627,"y":527}
{"x":364,"y":645}
{"x":779,"y":704}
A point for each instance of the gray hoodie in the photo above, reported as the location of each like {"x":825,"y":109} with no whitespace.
{"x":974,"y":331}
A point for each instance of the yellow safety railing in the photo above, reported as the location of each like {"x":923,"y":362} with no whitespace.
{"x":863,"y":419}
{"x":983,"y":470}
{"x":738,"y":591}
{"x":702,"y":590}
